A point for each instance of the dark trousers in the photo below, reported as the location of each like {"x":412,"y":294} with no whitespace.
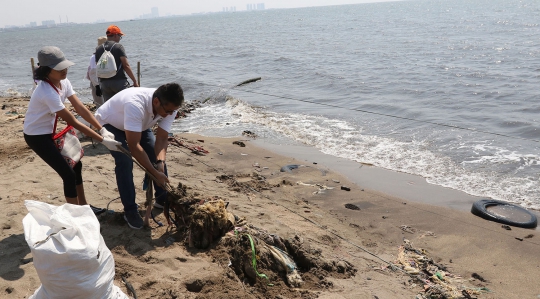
{"x":124,"y":167}
{"x":111,"y":87}
{"x":44,"y":147}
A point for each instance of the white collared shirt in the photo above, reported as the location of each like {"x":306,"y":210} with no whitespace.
{"x":131,"y":109}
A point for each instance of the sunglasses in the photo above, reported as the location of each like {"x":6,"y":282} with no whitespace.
{"x":163,"y":107}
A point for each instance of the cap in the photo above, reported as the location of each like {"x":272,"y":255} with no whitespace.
{"x":101,"y":40}
{"x":113,"y":29}
{"x":54,"y":58}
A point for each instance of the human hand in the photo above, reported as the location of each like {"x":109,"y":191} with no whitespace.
{"x":105,"y":133}
{"x":162,"y":178}
{"x":135,"y":84}
{"x":111,"y":144}
{"x":160,"y":166}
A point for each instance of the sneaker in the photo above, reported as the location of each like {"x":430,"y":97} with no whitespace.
{"x":97,"y":211}
{"x":133,"y":219}
{"x":159,"y":205}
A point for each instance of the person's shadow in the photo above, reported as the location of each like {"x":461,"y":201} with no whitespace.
{"x":13,"y":249}
{"x":117,"y":233}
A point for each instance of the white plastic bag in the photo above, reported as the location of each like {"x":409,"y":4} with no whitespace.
{"x":70,"y":256}
{"x":106,"y":65}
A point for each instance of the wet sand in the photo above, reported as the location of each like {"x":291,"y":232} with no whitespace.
{"x":394,"y":209}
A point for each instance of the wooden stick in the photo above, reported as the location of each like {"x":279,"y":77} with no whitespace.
{"x":33,"y":70}
{"x":167,"y":187}
{"x":148,"y":203}
{"x":139,"y":72}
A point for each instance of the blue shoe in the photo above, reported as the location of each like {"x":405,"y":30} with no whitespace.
{"x":159,"y":204}
{"x":134,"y":219}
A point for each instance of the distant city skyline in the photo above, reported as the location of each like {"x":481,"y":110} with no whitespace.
{"x":17,"y":13}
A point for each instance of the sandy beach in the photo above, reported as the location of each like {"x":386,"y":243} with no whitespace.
{"x":362,"y":222}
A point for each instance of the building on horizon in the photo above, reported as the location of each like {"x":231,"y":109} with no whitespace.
{"x":258,"y":6}
{"x":48,"y":23}
{"x":155,"y":12}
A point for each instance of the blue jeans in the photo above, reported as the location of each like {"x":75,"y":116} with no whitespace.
{"x":124,"y":167}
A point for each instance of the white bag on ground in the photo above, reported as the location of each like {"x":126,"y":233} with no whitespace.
{"x":70,"y":256}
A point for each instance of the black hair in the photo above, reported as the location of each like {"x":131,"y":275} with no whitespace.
{"x":170,"y":93}
{"x":42,"y":72}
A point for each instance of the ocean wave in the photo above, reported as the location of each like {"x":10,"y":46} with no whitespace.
{"x":343,"y":139}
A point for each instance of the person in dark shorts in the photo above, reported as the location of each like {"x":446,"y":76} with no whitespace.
{"x":111,"y":86}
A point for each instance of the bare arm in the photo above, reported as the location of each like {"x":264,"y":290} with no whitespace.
{"x":83,"y":112}
{"x":162,"y":141}
{"x":128,"y":70}
{"x":133,"y":139}
{"x":71,"y":120}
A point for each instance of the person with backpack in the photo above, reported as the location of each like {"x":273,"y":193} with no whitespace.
{"x":91,"y":74}
{"x":46,"y":104}
{"x":113,"y":65}
{"x":130,"y":116}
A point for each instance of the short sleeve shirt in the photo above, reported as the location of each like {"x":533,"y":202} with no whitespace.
{"x":117,"y":51}
{"x":44,"y":104}
{"x":131,"y":110}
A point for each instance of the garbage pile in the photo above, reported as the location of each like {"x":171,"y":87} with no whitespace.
{"x":256,"y":256}
{"x":437,"y":281}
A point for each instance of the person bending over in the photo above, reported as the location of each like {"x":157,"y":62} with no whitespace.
{"x":130,"y":115}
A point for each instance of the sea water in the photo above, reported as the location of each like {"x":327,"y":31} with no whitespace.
{"x":448,"y":90}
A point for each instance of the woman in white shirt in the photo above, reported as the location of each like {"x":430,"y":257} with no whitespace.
{"x":46,"y":102}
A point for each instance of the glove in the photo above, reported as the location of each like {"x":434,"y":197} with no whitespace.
{"x":111,"y":144}
{"x":98,"y":91}
{"x":106,"y":134}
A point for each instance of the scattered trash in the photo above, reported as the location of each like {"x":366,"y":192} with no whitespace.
{"x":314,"y":162}
{"x":437,"y":281}
{"x":220,"y":153}
{"x":321,"y":187}
{"x":519,"y":239}
{"x":506,"y":227}
{"x":384,"y":217}
{"x":256,"y":165}
{"x":240,"y":143}
{"x":249,"y":134}
{"x":242,"y":154}
{"x":352,"y":207}
{"x":200,"y":140}
{"x":289,"y":167}
{"x":408,"y":229}
{"x":183,"y":143}
{"x":477,"y":276}
{"x":335,"y":181}
{"x":526,"y":237}
{"x":345,"y":188}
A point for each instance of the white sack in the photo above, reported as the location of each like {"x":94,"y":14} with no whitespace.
{"x":70,"y":256}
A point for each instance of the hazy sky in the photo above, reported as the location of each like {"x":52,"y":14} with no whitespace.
{"x":21,"y":12}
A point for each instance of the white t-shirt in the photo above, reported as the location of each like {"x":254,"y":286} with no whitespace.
{"x":44,"y":104}
{"x":131,"y":109}
{"x":91,"y":74}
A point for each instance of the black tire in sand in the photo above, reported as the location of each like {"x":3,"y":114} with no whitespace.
{"x":503,"y":212}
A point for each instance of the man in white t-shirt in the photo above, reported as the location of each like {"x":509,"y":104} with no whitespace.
{"x":130,"y":115}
